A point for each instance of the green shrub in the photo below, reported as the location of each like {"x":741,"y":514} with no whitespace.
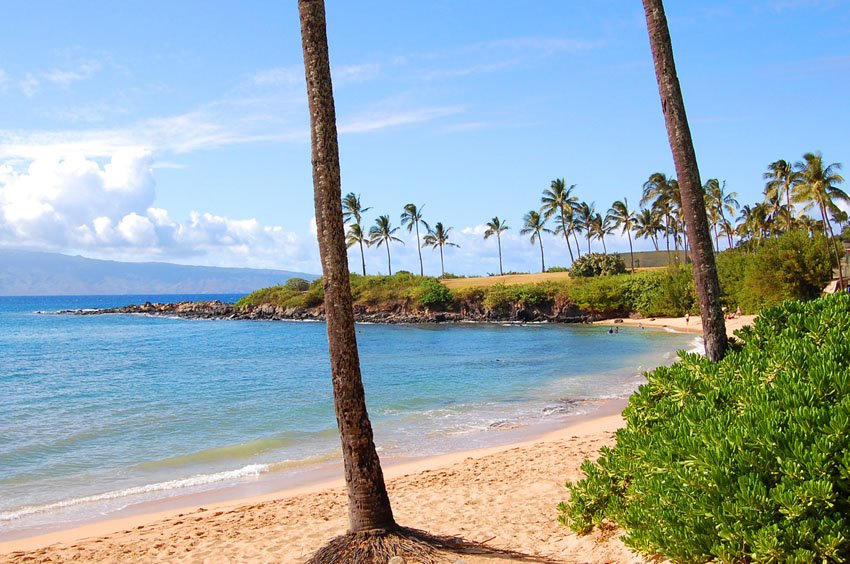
{"x":675,"y":294}
{"x":557,"y":269}
{"x":433,"y":295}
{"x":732,"y":267}
{"x":605,"y":295}
{"x":598,"y":264}
{"x":793,"y":266}
{"x":297,"y":284}
{"x":743,"y":460}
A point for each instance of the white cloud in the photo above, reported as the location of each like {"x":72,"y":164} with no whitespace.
{"x":64,"y":77}
{"x":28,"y":85}
{"x":75,"y":204}
{"x":383,"y":119}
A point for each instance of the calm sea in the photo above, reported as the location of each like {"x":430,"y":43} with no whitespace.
{"x":98,"y":413}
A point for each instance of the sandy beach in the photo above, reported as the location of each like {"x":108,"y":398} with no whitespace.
{"x":504,"y":497}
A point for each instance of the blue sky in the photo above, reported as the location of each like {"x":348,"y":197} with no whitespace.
{"x":177,"y":131}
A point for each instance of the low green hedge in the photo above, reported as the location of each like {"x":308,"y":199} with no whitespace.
{"x":744,"y":460}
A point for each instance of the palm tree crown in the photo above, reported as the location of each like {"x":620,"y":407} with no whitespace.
{"x":496,"y":227}
{"x":535,"y":224}
{"x":411,"y":218}
{"x":621,"y":216}
{"x":382,"y":233}
{"x":439,"y":237}
{"x":557,"y":201}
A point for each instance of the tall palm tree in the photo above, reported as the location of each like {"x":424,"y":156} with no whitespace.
{"x":383,"y":233}
{"x":557,"y":201}
{"x":355,"y":236}
{"x":621,"y":216}
{"x":496,"y":227}
{"x":648,"y":225}
{"x":818,"y":186}
{"x":753,"y":224}
{"x":719,"y":203}
{"x":782,"y":178}
{"x":687,"y":171}
{"x":535,"y":224}
{"x":439,"y":237}
{"x":351,"y":209}
{"x":584,"y":220}
{"x":660,"y":192}
{"x":600,"y":227}
{"x":369,"y":504}
{"x":411,"y":218}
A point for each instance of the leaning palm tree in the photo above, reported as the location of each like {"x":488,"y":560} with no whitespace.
{"x":660,"y":192}
{"x":351,"y":209}
{"x":439,"y":237}
{"x":383,"y":233}
{"x":687,"y":171}
{"x":412,"y":218}
{"x":718,"y":203}
{"x":355,"y":236}
{"x":621,"y":216}
{"x":496,"y":227}
{"x":782,"y":178}
{"x":369,"y":511}
{"x":818,"y":187}
{"x":557,"y":201}
{"x":535,"y":224}
{"x":600,"y":227}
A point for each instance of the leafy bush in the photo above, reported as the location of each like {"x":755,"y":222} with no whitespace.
{"x":598,"y":264}
{"x":793,"y":265}
{"x":605,"y":295}
{"x":675,"y":294}
{"x":747,"y":459}
{"x":433,"y":295}
{"x":297,"y":284}
{"x":557,"y":269}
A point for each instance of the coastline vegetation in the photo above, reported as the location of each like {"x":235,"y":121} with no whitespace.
{"x":741,"y":460}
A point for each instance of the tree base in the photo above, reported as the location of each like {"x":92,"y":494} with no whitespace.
{"x":413,"y":545}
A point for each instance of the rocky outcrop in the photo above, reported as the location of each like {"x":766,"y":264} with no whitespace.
{"x":383,"y":313}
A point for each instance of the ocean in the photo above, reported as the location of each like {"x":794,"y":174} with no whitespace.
{"x":103,"y":413}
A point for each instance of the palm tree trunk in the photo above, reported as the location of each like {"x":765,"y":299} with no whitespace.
{"x":362,"y":256}
{"x":389,"y":263}
{"x":499,"y":241}
{"x":667,"y":236}
{"x":567,"y":237}
{"x":834,"y":247}
{"x":578,"y":250}
{"x":442,"y":268}
{"x":604,"y":248}
{"x":368,"y":503}
{"x":588,"y":242}
{"x":419,"y":248}
{"x":693,"y":202}
{"x":542,"y":262}
{"x":631,"y":251}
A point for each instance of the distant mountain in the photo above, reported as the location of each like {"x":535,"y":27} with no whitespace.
{"x":26,"y":273}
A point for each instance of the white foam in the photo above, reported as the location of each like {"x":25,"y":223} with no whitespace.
{"x":697,"y":346}
{"x":198,"y":480}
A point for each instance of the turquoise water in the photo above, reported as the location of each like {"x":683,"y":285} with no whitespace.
{"x":99,"y":412}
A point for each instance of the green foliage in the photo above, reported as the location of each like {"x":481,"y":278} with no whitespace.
{"x":374,"y":290}
{"x":557,"y":269}
{"x":433,"y":295}
{"x":793,"y":266}
{"x":606,"y":295}
{"x":675,"y":294}
{"x":502,"y":299}
{"x":731,"y":271}
{"x":743,"y":460}
{"x":598,"y":264}
{"x":297,"y":284}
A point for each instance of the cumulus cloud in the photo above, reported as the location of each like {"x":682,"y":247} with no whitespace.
{"x":74,"y":203}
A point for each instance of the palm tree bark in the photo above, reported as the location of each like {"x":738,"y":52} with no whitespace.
{"x":362,"y":257}
{"x":631,"y":250}
{"x":442,"y":267}
{"x":419,"y":248}
{"x":687,"y":171}
{"x":389,"y":264}
{"x":369,"y":505}
{"x":499,"y":240}
{"x":542,"y":262}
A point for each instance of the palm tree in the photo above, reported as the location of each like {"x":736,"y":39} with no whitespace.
{"x":687,"y":171}
{"x":411,"y":218}
{"x":660,"y":192}
{"x":782,"y":179}
{"x":818,"y":186}
{"x":718,"y":203}
{"x":369,"y":504}
{"x":439,"y":237}
{"x":351,"y":209}
{"x":754,"y":223}
{"x":535,"y":224}
{"x":648,"y":224}
{"x":557,"y":201}
{"x":585,"y":213}
{"x":496,"y":227}
{"x":621,"y":216}
{"x":600,"y":227}
{"x":382,"y":233}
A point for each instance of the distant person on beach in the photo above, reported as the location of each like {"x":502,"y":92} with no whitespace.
{"x":738,"y":312}
{"x":687,"y":318}
{"x":610,"y":331}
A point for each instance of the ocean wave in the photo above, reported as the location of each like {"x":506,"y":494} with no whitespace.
{"x":252,"y":470}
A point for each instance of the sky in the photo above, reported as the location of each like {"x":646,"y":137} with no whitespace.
{"x":179,"y":132}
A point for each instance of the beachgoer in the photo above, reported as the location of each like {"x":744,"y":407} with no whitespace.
{"x":610,"y":331}
{"x":687,"y":318}
{"x":738,"y":312}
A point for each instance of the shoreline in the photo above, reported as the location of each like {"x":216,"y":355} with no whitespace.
{"x":404,"y":476}
{"x":605,"y":419}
